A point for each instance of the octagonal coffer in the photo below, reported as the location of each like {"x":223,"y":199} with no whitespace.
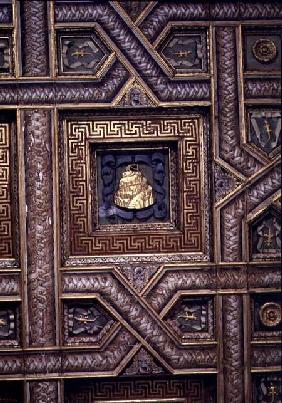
{"x":185,"y":50}
{"x":191,"y":318}
{"x":83,"y":53}
{"x":87,"y":322}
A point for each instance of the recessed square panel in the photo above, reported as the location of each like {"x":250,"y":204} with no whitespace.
{"x":266,"y":315}
{"x":262,"y":49}
{"x":134,"y":186}
{"x":11,"y":391}
{"x":267,"y":388}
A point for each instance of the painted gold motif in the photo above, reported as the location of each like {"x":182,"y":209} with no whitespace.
{"x":264,"y":50}
{"x":270,"y":314}
{"x":134,"y":191}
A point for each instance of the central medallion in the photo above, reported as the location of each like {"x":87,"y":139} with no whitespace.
{"x":134,"y":191}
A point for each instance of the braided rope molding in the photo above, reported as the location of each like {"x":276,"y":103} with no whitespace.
{"x":171,"y":282}
{"x":229,"y":135}
{"x":46,"y":392}
{"x":264,"y":188}
{"x":9,"y":284}
{"x":11,"y":363}
{"x":64,"y":92}
{"x":61,"y":362}
{"x":225,"y":10}
{"x":39,"y":198}
{"x":35,"y":38}
{"x":260,"y":9}
{"x":266,"y":356}
{"x":159,"y":17}
{"x":231,"y":224}
{"x":233,"y":349}
{"x":165,"y":89}
{"x":264,"y":277}
{"x":42,"y":362}
{"x":262,"y":88}
{"x":233,"y":214}
{"x":164,"y":13}
{"x":147,"y":325}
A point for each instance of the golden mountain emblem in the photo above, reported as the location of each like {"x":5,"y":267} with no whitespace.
{"x":134,"y":191}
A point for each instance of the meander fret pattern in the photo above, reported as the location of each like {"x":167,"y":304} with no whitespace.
{"x":6,"y":241}
{"x":188,"y":133}
{"x":188,"y":391}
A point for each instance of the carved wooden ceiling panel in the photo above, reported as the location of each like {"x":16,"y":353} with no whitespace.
{"x":140,"y":201}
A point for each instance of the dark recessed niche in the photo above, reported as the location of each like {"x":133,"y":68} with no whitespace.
{"x":11,"y":392}
{"x":133,"y":185}
{"x":267,"y":388}
{"x":266,"y":315}
{"x":262,"y":49}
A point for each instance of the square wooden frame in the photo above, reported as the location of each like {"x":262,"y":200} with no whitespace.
{"x":188,"y":238}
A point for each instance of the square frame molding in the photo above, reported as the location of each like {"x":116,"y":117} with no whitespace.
{"x":189,"y":238}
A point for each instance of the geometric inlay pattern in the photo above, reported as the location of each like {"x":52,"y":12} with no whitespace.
{"x":187,"y":237}
{"x":164,"y":390}
{"x":6,"y":241}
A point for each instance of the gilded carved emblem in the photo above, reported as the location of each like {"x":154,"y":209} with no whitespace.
{"x":270,"y":314}
{"x":264,"y":50}
{"x":268,"y":389}
{"x":134,"y":191}
{"x":185,"y":50}
{"x":265,"y":129}
{"x":87,"y":320}
{"x":82,"y":53}
{"x":191,"y":318}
